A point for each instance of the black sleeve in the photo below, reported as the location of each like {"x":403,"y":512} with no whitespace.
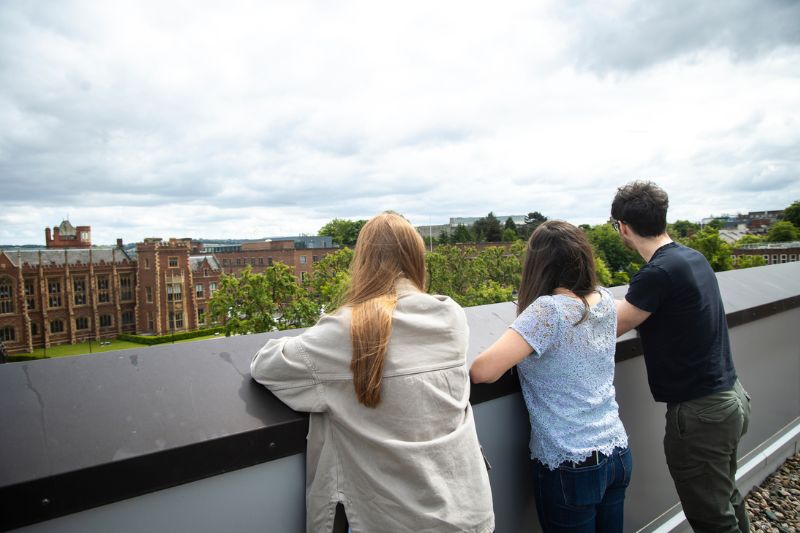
{"x":648,"y":288}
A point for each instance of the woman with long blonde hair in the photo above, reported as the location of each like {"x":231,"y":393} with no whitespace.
{"x":391,"y":433}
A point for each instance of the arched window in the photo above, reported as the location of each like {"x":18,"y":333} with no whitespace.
{"x":7,"y":334}
{"x":6,"y":296}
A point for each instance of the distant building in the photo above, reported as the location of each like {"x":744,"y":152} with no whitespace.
{"x":435,"y":230}
{"x":732,"y":235}
{"x":469,"y":221}
{"x":76,"y":293}
{"x":65,"y":296}
{"x":754,"y":222}
{"x":65,"y":235}
{"x":772,"y":252}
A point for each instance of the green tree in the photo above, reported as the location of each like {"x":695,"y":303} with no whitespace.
{"x":749,"y":261}
{"x":475,"y":278}
{"x":488,"y":228}
{"x":510,"y":235}
{"x":749,"y":239}
{"x":717,"y":223}
{"x":783,"y":231}
{"x":620,"y":278}
{"x":603,"y":274}
{"x":243,"y":304}
{"x":792,"y":213}
{"x":609,"y":247}
{"x":708,"y":242}
{"x":343,"y":231}
{"x":510,"y":224}
{"x":253,"y":303}
{"x":489,"y":292}
{"x":461,"y":235}
{"x":683,"y":229}
{"x":294,"y":307}
{"x":532,"y":221}
{"x":329,"y":279}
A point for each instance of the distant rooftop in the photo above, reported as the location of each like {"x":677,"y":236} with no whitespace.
{"x":770,"y":245}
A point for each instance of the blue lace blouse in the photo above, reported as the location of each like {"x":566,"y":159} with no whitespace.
{"x":568,"y":379}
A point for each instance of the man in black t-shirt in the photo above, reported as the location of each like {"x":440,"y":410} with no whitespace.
{"x":675,"y":304}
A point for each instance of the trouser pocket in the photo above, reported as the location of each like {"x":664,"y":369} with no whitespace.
{"x":584,"y":486}
{"x":719,"y":412}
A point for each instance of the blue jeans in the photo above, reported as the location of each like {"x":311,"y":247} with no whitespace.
{"x":588,"y":498}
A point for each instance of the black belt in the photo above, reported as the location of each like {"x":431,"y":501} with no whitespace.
{"x":592,"y":460}
{"x":595,"y":459}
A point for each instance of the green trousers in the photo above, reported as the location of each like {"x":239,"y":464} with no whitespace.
{"x":700,"y":444}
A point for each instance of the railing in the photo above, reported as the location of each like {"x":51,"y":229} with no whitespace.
{"x":178,"y":437}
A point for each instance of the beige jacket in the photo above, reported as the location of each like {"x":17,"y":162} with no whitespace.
{"x":412,"y":463}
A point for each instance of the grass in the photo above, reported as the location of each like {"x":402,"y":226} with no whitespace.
{"x":82,"y":348}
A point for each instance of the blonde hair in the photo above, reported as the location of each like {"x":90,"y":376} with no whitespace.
{"x":388,"y":248}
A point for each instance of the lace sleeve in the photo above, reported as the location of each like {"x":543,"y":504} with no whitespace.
{"x":539,"y":324}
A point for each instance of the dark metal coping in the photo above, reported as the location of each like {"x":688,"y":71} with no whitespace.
{"x":87,"y":431}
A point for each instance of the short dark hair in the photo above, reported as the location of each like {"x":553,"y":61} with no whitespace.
{"x":642,"y":205}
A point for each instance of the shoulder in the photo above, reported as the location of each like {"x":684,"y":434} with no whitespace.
{"x":543,"y":307}
{"x":654,"y":272}
{"x":331,"y":326}
{"x":432,"y":306}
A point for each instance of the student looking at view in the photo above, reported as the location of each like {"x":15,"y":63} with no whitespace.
{"x":391,"y":433}
{"x":563,"y":343}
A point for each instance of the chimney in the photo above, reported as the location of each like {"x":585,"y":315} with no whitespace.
{"x":119,"y":243}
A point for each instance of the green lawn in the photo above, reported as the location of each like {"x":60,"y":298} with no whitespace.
{"x":82,"y":348}
{"x":65,"y":350}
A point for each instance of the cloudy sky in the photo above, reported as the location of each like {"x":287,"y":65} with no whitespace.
{"x":253,"y":119}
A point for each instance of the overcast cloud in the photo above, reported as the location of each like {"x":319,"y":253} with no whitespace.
{"x":256,"y":119}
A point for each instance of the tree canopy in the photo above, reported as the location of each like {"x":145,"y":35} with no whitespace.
{"x":488,"y":229}
{"x":682,"y":229}
{"x":783,"y":231}
{"x":792,"y":213}
{"x":343,"y":231}
{"x":253,"y":303}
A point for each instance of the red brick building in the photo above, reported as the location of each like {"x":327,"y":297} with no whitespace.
{"x":173,"y":286}
{"x":65,"y":296}
{"x":73,"y":294}
{"x":773,"y":252}
{"x":261,"y":255}
{"x":66,"y":235}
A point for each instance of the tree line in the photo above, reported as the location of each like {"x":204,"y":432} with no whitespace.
{"x":276,"y":300}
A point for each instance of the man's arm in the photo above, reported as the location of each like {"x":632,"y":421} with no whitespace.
{"x":629,"y":316}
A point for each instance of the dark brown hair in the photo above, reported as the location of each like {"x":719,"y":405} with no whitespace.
{"x":642,"y":205}
{"x":558,"y":255}
{"x":388,"y":248}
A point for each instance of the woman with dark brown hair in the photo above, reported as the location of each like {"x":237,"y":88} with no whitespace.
{"x":391,"y":432}
{"x":563,"y":343}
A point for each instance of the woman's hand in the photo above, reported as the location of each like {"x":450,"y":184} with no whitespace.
{"x":506,"y":352}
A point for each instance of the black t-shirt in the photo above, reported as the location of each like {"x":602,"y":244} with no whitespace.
{"x":685,"y":339}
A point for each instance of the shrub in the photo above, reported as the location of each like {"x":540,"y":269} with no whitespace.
{"x":151,"y":340}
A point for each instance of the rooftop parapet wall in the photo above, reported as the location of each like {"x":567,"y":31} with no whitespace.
{"x":86,"y":431}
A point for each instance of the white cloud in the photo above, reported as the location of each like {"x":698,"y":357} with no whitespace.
{"x":252,"y":119}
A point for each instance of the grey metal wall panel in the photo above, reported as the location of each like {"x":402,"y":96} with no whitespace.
{"x":269,"y":497}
